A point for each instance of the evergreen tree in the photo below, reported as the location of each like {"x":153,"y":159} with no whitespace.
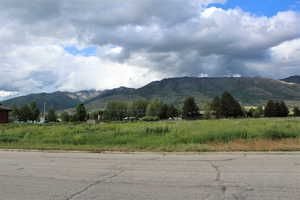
{"x":230,"y":107}
{"x":276,"y":109}
{"x":296,"y":111}
{"x":81,"y":113}
{"x":163,"y":112}
{"x":284,"y":110}
{"x":190,"y":109}
{"x":269,"y":109}
{"x":172,"y":111}
{"x":216,"y":107}
{"x":52,"y":117}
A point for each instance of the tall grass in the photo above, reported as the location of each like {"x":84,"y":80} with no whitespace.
{"x":148,"y":135}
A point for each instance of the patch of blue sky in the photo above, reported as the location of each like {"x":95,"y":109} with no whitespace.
{"x":88,"y":51}
{"x":261,"y":7}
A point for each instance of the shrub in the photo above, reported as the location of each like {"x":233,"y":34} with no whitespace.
{"x":150,"y":119}
{"x":157,"y":130}
{"x":277,"y":134}
{"x":6,"y":138}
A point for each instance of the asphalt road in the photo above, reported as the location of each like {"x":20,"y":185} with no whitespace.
{"x":143,"y":176}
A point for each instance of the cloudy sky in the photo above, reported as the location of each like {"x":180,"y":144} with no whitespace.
{"x":49,"y":45}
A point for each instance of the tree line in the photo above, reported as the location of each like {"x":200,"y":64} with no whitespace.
{"x":139,"y":109}
{"x":28,"y":112}
{"x":224,"y":106}
{"x":31,"y":112}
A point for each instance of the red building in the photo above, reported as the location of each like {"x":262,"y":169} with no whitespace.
{"x":4,"y":113}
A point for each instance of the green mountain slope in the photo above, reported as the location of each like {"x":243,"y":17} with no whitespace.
{"x":56,"y":100}
{"x":292,"y":79}
{"x":249,"y":91}
{"x":118,"y":94}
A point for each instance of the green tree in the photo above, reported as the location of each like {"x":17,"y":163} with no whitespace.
{"x":25,"y":113}
{"x":97,"y":115}
{"x":216,"y":107}
{"x":269,"y":109}
{"x":230,"y":107}
{"x":94,"y":115}
{"x":15,"y":112}
{"x":115,"y":111}
{"x":138,"y":108}
{"x":65,"y":116}
{"x":251,"y":112}
{"x":172,"y":111}
{"x":283,"y":109}
{"x":258,"y":112}
{"x":276,"y":109}
{"x":208,"y":112}
{"x":34,"y":111}
{"x":129,"y":111}
{"x":163,"y":113}
{"x":81,"y":113}
{"x":155,"y":108}
{"x":190,"y":109}
{"x":296,"y":112}
{"x":276,"y":112}
{"x":74,"y":118}
{"x":52,"y":117}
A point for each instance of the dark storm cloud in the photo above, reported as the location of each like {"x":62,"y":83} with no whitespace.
{"x":233,"y":38}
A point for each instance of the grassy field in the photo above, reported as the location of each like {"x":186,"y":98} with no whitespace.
{"x":181,"y":136}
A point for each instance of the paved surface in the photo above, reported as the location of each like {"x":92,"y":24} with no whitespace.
{"x":143,"y":176}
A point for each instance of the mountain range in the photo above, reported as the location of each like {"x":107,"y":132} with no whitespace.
{"x":56,"y":100}
{"x":292,"y":79}
{"x":248,"y":90}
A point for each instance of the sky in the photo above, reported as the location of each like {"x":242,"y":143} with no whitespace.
{"x":71,"y":45}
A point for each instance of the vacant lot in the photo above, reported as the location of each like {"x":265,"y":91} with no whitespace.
{"x":213,"y":135}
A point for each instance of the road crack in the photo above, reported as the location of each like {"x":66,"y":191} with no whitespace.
{"x":94,"y":184}
{"x":222,"y":183}
{"x":218,"y":172}
{"x":218,"y":179}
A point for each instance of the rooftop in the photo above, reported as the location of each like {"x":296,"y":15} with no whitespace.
{"x":5,"y":108}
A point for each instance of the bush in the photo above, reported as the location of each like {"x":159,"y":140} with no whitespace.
{"x":157,"y":130}
{"x":149,"y":119}
{"x":6,"y":138}
{"x":65,"y":116}
{"x":277,"y":134}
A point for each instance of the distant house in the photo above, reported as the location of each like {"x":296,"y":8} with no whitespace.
{"x":4,"y":113}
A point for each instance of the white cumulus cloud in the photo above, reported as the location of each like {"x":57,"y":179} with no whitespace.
{"x":137,"y":42}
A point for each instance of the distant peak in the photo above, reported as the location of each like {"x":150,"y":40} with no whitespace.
{"x":294,"y":76}
{"x":292,"y":79}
